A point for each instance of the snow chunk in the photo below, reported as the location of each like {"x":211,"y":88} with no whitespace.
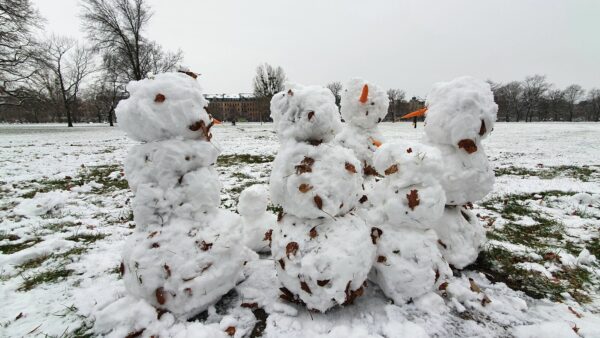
{"x":42,"y":204}
{"x":256,"y":221}
{"x":365,"y":114}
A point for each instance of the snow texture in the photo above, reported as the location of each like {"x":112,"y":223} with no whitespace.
{"x":256,"y":220}
{"x":185,"y":253}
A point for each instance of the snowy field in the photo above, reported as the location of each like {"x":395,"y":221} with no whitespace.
{"x":65,"y":214}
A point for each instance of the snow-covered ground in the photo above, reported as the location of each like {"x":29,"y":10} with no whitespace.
{"x":65,"y":214}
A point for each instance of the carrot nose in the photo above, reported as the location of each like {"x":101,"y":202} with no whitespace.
{"x":375,"y":142}
{"x":419,"y":112}
{"x":364,"y":94}
{"x":215,"y":121}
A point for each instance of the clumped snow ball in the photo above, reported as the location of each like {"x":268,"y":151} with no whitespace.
{"x":185,"y":252}
{"x":461,"y":236}
{"x":257,"y":222}
{"x":316,"y":181}
{"x":322,"y":262}
{"x":363,"y":104}
{"x":408,"y":263}
{"x":323,"y":253}
{"x":460,"y":113}
{"x":170,"y":105}
{"x":408,"y":162}
{"x":305,"y":113}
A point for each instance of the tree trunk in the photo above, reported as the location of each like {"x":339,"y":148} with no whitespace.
{"x":110,"y":117}
{"x":69,"y":118}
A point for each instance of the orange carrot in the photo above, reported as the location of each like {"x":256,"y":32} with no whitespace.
{"x":376,"y":142}
{"x":364,"y":95}
{"x":419,"y":112}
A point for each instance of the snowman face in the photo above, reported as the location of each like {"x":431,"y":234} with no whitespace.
{"x":305,"y":114}
{"x":460,"y":113}
{"x":169,"y":105}
{"x":363,"y":104}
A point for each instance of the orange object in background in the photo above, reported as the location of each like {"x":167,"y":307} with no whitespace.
{"x":416,"y":113}
{"x":364,"y":95}
{"x":215,"y":121}
{"x":376,"y":142}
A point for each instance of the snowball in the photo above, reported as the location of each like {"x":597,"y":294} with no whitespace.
{"x":414,"y":206}
{"x":163,"y":107}
{"x":462,"y":109}
{"x":409,"y":263}
{"x":305,"y":113}
{"x":461,"y":236}
{"x":186,"y":266}
{"x":362,"y":142}
{"x":363,"y":114}
{"x":42,"y":204}
{"x":414,"y":162}
{"x":253,"y":200}
{"x":165,"y":162}
{"x":324,"y":262}
{"x":303,"y":174}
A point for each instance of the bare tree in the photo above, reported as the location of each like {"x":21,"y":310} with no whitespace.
{"x":534,"y":88}
{"x":268,"y":80}
{"x":67,"y":64}
{"x":395,"y":96}
{"x":573,"y":94}
{"x":105,"y":93}
{"x":17,"y":49}
{"x":556,"y":98}
{"x":336,"y":90}
{"x":117,"y":27}
{"x":594,"y":101}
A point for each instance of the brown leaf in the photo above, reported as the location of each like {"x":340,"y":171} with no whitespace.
{"x":550,"y":256}
{"x":152,"y":234}
{"x":161,"y":295}
{"x":230,"y":331}
{"x":19,"y":316}
{"x":352,"y":295}
{"x":305,"y":287}
{"x":313,"y":232}
{"x":375,"y":234}
{"x":167,"y":270}
{"x":311,"y":114}
{"x":323,"y":282}
{"x":188,"y":291}
{"x":391,"y":170}
{"x":190,"y":74}
{"x":122,"y":268}
{"x":290,"y":92}
{"x":409,"y":150}
{"x":135,"y":334}
{"x":350,"y":167}
{"x":468,"y":145}
{"x":282,"y":263}
{"x":485,"y":300}
{"x":363,"y":199}
{"x":309,"y":161}
{"x":465,"y":215}
{"x":474,"y":286}
{"x":268,"y":236}
{"x":443,"y":286}
{"x":205,"y":246}
{"x":370,"y":171}
{"x":315,"y":143}
{"x":291,"y":248}
{"x":159,"y":98}
{"x":249,"y":305}
{"x":442,"y":244}
{"x":318,"y":202}
{"x":413,"y":199}
{"x":304,"y":188}
{"x":381,"y":259}
{"x":577,"y":314}
{"x":437,"y":275}
{"x":482,"y":129}
{"x":155,"y":245}
{"x":280,"y":216}
{"x":303,"y":168}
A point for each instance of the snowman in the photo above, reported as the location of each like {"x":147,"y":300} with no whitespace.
{"x":459,"y":115}
{"x":363,"y":106}
{"x":322,"y":251}
{"x":257,"y":223}
{"x":185,"y":253}
{"x":407,"y":200}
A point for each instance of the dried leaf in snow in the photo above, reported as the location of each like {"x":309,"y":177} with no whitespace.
{"x":413,"y":199}
{"x":391,"y":170}
{"x":468,"y":145}
{"x":304,"y":188}
{"x":159,"y":98}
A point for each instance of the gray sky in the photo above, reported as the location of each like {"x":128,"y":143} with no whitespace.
{"x":396,"y":44}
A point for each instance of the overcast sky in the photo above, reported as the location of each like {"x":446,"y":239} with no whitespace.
{"x":396,"y":44}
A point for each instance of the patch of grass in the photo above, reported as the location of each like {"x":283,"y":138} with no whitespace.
{"x":276,"y":209}
{"x":11,"y":248}
{"x":60,"y":226}
{"x":513,"y":205}
{"x":542,"y":234}
{"x":583,"y":173}
{"x":241,"y":176}
{"x":235,"y":159}
{"x":86,"y":238}
{"x":50,"y":276}
{"x":34,"y":263}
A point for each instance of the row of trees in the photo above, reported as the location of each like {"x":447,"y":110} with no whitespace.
{"x":59,"y":79}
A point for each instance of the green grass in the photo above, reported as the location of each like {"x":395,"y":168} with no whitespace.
{"x":34,"y":263}
{"x":583,"y":173}
{"x":50,"y":276}
{"x":238,"y":159}
{"x":544,"y":233}
{"x":11,"y":248}
{"x":60,"y":226}
{"x":86,"y":238}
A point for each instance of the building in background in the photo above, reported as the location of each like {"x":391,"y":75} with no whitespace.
{"x":240,"y":107}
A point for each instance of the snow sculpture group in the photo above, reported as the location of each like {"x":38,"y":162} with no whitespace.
{"x":355,"y":208}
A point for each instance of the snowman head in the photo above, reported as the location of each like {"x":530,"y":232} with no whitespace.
{"x":460,"y":113}
{"x":363,"y":104}
{"x":305,"y":113}
{"x":166,"y":106}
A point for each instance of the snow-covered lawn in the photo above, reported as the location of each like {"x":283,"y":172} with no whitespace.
{"x":65,"y":213}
